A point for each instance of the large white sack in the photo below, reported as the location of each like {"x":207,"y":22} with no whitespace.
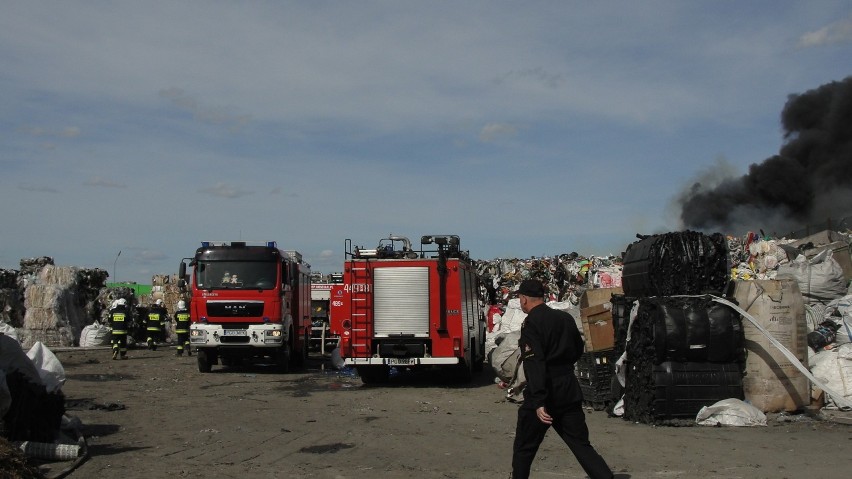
{"x":834,"y":368}
{"x":95,"y":334}
{"x":821,"y":279}
{"x":505,"y":357}
{"x":513,"y":317}
{"x":13,"y":358}
{"x":730,"y":412}
{"x":50,"y":370}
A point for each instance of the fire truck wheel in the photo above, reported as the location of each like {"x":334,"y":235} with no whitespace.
{"x":464,"y":371}
{"x":300,"y":356}
{"x":373,"y":374}
{"x":204,"y":363}
{"x":282,"y":360}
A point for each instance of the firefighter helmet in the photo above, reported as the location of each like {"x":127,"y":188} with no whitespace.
{"x":181,"y":304}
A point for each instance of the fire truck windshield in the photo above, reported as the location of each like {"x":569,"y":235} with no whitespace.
{"x":236,"y":274}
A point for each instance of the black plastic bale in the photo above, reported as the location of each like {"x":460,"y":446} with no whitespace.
{"x":670,"y":264}
{"x":684,"y":353}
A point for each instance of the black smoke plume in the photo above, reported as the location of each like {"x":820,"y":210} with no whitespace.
{"x":807,"y":182}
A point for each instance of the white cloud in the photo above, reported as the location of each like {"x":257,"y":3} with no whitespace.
{"x":223,"y":190}
{"x":837,"y":32}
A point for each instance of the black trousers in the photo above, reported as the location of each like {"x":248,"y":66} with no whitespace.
{"x":182,"y":340}
{"x":119,"y":341}
{"x":571,"y":427}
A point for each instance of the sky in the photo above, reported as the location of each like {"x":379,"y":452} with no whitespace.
{"x":132,"y":131}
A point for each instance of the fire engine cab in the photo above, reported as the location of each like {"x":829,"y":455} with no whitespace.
{"x":410,"y":308}
{"x":248,"y":301}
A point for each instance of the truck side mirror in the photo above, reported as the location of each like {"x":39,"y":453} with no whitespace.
{"x":182,"y":275}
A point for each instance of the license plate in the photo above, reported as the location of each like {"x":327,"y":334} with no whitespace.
{"x":234,"y":332}
{"x":401,"y":361}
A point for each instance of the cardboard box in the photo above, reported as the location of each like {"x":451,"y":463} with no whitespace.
{"x":597,"y":327}
{"x":596,"y":296}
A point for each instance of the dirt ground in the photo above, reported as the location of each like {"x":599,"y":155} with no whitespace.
{"x":155,"y":415}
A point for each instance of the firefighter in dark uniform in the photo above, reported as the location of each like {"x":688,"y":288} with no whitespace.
{"x":550,"y":344}
{"x":119,"y":317}
{"x":156,"y":324}
{"x":182,"y":329}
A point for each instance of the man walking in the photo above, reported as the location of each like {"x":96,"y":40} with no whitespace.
{"x":550,"y":344}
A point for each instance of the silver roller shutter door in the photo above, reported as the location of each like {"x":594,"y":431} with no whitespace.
{"x":401,"y":301}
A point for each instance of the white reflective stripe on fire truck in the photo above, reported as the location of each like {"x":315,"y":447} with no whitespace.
{"x":399,"y":361}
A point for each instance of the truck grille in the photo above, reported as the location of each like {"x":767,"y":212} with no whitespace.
{"x":235,"y":309}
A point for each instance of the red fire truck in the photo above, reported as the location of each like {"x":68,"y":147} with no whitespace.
{"x":405,"y":308}
{"x":248,"y":301}
{"x":325,"y":327}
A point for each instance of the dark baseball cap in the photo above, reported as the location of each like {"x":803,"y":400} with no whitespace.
{"x":532,"y":288}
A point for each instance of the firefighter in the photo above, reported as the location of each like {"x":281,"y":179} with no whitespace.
{"x":550,"y":344}
{"x":119,"y":318}
{"x":182,"y":329}
{"x":156,"y":324}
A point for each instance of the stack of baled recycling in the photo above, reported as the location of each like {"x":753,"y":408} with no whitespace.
{"x":59,"y":302}
{"x":685,"y":350}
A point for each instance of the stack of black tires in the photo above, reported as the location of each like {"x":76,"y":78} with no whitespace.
{"x":685,"y":350}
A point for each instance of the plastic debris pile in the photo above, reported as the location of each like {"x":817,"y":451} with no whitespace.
{"x":565,"y":276}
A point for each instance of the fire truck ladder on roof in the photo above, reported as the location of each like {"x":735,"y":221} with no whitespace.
{"x":360,"y":306}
